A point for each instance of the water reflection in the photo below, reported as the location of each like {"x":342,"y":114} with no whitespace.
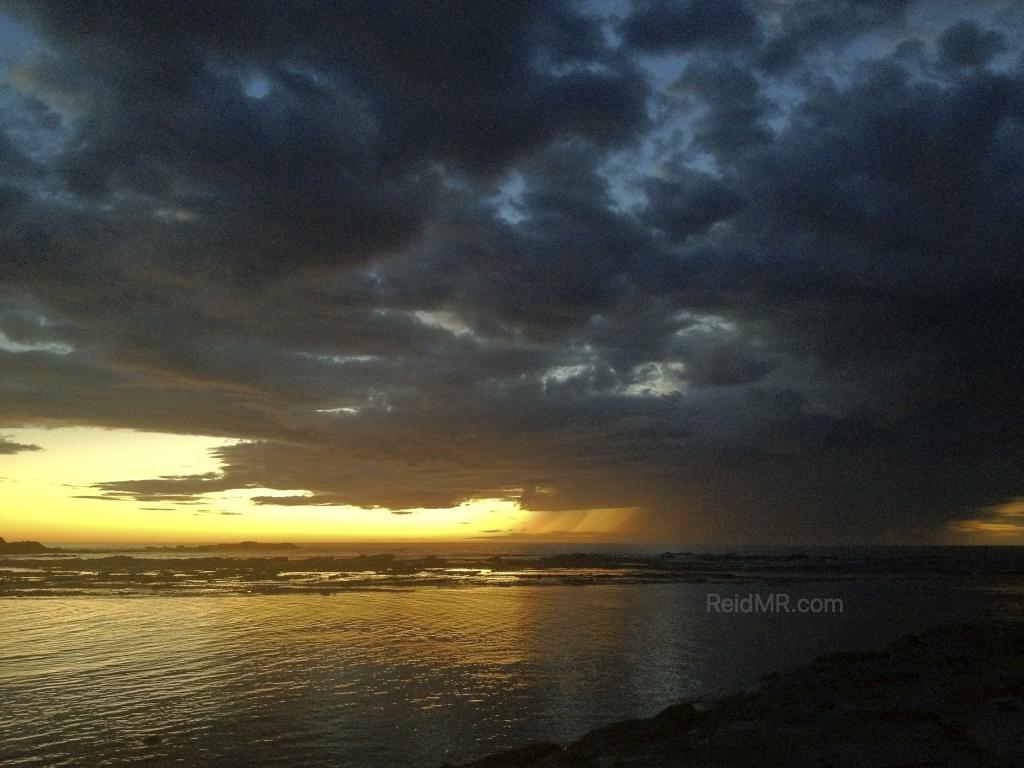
{"x":404,"y":678}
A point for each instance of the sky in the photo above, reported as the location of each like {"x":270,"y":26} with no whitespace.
{"x":706,"y":271}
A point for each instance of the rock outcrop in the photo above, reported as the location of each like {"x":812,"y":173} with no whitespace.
{"x":950,"y":697}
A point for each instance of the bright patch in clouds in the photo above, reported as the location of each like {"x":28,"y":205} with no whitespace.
{"x":54,"y":348}
{"x":444,"y":320}
{"x":656,"y":379}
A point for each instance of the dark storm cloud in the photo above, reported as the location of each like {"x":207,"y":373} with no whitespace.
{"x":965,"y":45}
{"x":689,"y":202}
{"x":808,"y":27}
{"x":736,"y":108}
{"x":666,"y":26}
{"x":302,"y":138}
{"x":766,"y":285}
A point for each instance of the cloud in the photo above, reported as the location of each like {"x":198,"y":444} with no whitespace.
{"x":714,"y":24}
{"x":765,"y":284}
{"x":735,"y":120}
{"x":966,"y":45}
{"x":689,"y":202}
{"x":8,"y":447}
{"x":806,"y":27}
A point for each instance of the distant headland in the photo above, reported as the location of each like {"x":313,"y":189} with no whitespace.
{"x":22,"y":547}
{"x":35,"y":547}
{"x":247,"y":546}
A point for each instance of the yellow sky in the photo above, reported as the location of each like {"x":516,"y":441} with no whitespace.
{"x":39,"y":493}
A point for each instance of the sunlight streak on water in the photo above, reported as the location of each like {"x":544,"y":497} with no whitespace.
{"x":403,"y":678}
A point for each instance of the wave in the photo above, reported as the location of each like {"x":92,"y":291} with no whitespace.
{"x":151,"y":574}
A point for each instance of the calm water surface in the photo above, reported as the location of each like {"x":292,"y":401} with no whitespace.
{"x":411,"y":677}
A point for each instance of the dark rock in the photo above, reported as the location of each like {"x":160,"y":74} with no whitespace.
{"x":957,"y":704}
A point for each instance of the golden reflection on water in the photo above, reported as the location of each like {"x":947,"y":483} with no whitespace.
{"x":399,"y":678}
{"x":224,"y":678}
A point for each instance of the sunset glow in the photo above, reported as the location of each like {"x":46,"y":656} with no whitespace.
{"x":49,"y":494}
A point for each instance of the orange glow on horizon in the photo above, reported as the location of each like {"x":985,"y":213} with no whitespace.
{"x":47,"y":495}
{"x":1002,"y":524}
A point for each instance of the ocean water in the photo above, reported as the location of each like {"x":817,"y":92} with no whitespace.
{"x":122,"y":665}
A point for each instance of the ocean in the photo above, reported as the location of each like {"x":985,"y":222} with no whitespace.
{"x":310,"y":657}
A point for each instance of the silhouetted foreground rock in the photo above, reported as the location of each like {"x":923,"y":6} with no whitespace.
{"x":951,"y":697}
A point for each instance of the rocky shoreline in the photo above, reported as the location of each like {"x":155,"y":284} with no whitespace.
{"x":952,"y":696}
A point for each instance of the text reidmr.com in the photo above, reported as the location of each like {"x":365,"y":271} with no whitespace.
{"x":772,"y":602}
